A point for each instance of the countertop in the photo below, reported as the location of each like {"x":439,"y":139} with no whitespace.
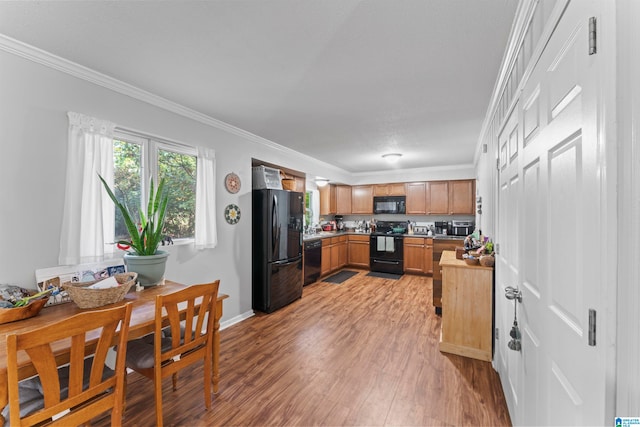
{"x":449,"y":259}
{"x":325,"y":234}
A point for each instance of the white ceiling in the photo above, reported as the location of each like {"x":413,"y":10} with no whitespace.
{"x":343,"y":81}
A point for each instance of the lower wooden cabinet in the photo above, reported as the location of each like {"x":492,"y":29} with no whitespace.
{"x":418,"y":255}
{"x":334,"y":254}
{"x":358,"y":253}
{"x":467,"y":308}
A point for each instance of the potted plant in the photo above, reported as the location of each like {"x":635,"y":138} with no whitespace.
{"x":144,"y":257}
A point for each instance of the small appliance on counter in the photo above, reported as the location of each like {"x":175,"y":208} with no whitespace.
{"x":462,"y":228}
{"x":442,"y":227}
{"x":339,"y":222}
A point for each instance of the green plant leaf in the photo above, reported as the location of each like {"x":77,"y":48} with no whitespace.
{"x":146,"y":238}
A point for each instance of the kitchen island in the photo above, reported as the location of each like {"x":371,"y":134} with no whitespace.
{"x":467,"y":308}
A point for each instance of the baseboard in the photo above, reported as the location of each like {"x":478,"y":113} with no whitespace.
{"x":237,"y":319}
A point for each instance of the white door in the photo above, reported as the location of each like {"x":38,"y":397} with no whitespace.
{"x":551,"y":203}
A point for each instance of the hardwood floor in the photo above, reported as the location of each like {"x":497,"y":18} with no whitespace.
{"x":364,"y":352}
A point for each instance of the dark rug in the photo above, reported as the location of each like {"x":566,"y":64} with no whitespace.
{"x":384,"y":275}
{"x":340,"y":277}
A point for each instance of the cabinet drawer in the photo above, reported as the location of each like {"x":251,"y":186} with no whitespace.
{"x":338,"y":239}
{"x":414,"y":241}
{"x":356,"y":238}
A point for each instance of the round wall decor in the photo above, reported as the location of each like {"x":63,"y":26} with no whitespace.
{"x":232,"y":183}
{"x":232,"y":214}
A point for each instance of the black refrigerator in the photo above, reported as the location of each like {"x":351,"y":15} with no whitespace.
{"x":277,"y":248}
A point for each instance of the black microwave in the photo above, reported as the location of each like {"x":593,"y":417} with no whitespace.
{"x":389,"y":204}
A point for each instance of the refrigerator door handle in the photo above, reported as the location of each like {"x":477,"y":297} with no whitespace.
{"x":275,"y":226}
{"x":287,"y":261}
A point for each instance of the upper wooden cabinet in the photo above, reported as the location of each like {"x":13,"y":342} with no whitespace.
{"x":362,"y":199}
{"x":395,"y":189}
{"x":301,"y":184}
{"x":343,"y":199}
{"x":423,"y":198}
{"x":438,"y":198}
{"x":328,"y":201}
{"x":416,"y":198}
{"x":451,"y":197}
{"x":462,"y":197}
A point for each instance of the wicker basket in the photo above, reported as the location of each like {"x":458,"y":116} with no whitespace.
{"x":91,"y":298}
{"x":487,"y":260}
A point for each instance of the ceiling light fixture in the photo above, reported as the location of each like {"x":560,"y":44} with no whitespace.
{"x":392,"y":157}
{"x":321,"y":182}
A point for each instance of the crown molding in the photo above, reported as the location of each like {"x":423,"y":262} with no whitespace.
{"x":55,"y":62}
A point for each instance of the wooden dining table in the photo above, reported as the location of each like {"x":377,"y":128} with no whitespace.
{"x":142,"y":323}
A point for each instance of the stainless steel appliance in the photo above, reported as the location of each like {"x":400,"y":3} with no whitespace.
{"x":312,"y":261}
{"x":389,"y":204}
{"x":277,"y":248}
{"x":386,"y":250}
{"x":339,"y":222}
{"x":462,"y":228}
{"x":442,"y":227}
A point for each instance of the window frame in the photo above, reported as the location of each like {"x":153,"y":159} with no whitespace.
{"x":149,"y":146}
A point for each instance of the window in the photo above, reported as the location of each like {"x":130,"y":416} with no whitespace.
{"x":137,"y":160}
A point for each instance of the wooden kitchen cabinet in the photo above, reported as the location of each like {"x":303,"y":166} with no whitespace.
{"x":467,"y":308}
{"x":428,"y":256}
{"x":362,"y":199}
{"x":358,"y":250}
{"x":438,"y":198}
{"x":416,"y":198}
{"x":451,"y":197}
{"x":418,"y":255}
{"x":439,"y":247}
{"x":334,"y":254}
{"x":325,"y":264}
{"x":301,"y":184}
{"x":328,"y":200}
{"x":393,"y":189}
{"x":343,"y":199}
{"x":462,"y":197}
{"x":414,"y":255}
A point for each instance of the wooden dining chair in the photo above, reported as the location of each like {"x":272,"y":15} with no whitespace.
{"x":186,"y":340}
{"x":77,"y":392}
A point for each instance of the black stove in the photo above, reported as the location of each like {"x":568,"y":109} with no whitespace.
{"x":386,"y":247}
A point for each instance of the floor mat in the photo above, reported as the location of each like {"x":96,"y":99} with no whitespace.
{"x":340,"y":277}
{"x":384,"y":275}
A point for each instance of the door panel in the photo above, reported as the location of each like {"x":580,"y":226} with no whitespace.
{"x":550,"y":184}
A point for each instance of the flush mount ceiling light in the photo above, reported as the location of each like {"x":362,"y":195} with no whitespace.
{"x":392,"y":157}
{"x":321,"y":182}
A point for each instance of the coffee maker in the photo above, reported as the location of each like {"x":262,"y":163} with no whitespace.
{"x":339,"y":222}
{"x":442,"y":227}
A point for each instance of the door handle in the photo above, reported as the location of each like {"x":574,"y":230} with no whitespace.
{"x":512,"y":293}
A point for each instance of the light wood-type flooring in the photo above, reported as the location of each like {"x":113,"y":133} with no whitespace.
{"x":362,"y":353}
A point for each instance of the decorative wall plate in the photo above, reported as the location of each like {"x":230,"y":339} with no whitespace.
{"x":232,"y":183}
{"x":232,"y":214}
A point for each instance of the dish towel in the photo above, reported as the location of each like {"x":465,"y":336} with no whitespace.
{"x":390,"y":244}
{"x":381,"y":244}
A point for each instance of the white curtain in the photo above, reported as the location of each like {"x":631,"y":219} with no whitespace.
{"x":206,"y":233}
{"x":88,"y":221}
